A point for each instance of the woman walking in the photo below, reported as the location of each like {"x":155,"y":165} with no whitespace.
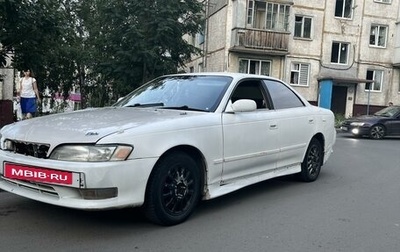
{"x":28,"y":93}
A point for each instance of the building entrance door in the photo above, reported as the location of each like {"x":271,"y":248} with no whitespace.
{"x":339,"y":99}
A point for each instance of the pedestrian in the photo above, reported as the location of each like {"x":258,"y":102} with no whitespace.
{"x":29,"y":95}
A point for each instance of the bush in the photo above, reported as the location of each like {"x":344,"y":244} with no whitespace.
{"x":339,"y":118}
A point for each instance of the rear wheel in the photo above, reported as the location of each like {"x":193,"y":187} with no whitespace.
{"x":311,"y":165}
{"x":377,"y":132}
{"x":173,"y":190}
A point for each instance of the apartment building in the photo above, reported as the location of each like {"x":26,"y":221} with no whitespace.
{"x":340,"y":54}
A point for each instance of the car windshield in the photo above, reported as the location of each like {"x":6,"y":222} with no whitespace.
{"x":199,"y":93}
{"x":388,"y":111}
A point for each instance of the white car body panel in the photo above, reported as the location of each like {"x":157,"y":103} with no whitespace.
{"x":229,"y":143}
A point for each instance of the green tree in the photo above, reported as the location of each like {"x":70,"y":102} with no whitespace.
{"x":106,"y":47}
{"x":135,"y":41}
{"x":36,"y":33}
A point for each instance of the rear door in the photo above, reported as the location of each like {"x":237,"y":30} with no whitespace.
{"x":294,"y":120}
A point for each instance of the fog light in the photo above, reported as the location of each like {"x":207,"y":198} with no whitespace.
{"x":98,"y":194}
{"x":355,"y":131}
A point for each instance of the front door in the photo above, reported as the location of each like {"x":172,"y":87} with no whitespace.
{"x":250,"y":138}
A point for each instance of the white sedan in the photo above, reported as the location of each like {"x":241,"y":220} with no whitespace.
{"x":174,"y":141}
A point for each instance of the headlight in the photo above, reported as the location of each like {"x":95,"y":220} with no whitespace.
{"x":357,"y":124}
{"x":91,"y":153}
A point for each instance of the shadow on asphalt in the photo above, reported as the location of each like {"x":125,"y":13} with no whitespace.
{"x":129,"y":217}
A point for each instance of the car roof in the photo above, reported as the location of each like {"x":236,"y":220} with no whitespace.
{"x":227,"y":74}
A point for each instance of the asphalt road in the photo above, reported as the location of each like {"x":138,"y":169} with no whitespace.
{"x":353,"y":206}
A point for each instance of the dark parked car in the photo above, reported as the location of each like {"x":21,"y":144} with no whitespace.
{"x":385,"y":122}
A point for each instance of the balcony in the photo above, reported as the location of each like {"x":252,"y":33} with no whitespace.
{"x":260,"y":41}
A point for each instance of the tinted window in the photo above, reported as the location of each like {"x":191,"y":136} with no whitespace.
{"x":282,"y":97}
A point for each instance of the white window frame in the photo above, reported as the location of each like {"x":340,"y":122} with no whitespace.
{"x":302,"y":74}
{"x":398,"y":83}
{"x":375,"y":31}
{"x":301,"y":26}
{"x":372,"y":86}
{"x":278,"y":19}
{"x":383,"y":1}
{"x":344,"y":9}
{"x":275,"y":16}
{"x":340,"y":51}
{"x":250,"y":12}
{"x":259,"y":70}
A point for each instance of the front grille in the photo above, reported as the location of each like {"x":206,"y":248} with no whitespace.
{"x":29,"y":149}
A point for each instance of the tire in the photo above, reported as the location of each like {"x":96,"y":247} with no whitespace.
{"x":311,"y":165}
{"x":377,"y":132}
{"x":173,"y":190}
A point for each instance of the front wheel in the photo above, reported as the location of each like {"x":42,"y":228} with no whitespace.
{"x":173,"y":190}
{"x":311,"y":165}
{"x":377,"y":132}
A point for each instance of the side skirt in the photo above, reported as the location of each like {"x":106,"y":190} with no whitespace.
{"x":225,"y":187}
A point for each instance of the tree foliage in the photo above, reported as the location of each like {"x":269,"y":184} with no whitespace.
{"x":105,"y":47}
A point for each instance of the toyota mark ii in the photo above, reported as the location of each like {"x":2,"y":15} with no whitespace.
{"x":170,"y":143}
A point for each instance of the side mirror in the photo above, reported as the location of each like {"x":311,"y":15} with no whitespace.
{"x":242,"y":105}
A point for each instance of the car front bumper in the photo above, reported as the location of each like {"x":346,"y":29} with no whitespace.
{"x":355,"y":130}
{"x":101,"y":185}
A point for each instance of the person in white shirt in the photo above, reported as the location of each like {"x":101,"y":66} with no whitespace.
{"x":29,"y":95}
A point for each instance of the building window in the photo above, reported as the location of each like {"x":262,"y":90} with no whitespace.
{"x":339,"y":53}
{"x":377,"y":77}
{"x":250,"y":12}
{"x":200,"y":37}
{"x":302,"y":27}
{"x":378,"y":35}
{"x":254,"y":66}
{"x":271,"y":16}
{"x":344,"y":8}
{"x":383,"y":1}
{"x":299,"y":74}
{"x":399,"y":84}
{"x":192,"y":40}
{"x":191,"y":69}
{"x":201,"y":67}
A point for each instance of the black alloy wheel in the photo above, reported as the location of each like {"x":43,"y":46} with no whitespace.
{"x":377,"y":132}
{"x":173,"y":190}
{"x":311,"y":165}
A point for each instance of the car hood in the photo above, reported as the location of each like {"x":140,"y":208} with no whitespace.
{"x":87,"y":126}
{"x":365,"y":118}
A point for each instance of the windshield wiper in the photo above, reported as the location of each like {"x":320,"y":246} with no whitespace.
{"x":185,"y":107}
{"x":144,"y":105}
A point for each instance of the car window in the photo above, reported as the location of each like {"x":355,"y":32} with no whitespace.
{"x":201,"y":93}
{"x":282,"y":97}
{"x":388,"y":111}
{"x":250,"y":89}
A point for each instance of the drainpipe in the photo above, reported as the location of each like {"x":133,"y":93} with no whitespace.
{"x":369,"y":95}
{"x":205,"y":45}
